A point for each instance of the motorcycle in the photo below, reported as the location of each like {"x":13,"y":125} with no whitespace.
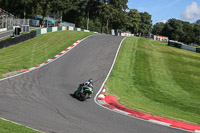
{"x":85,"y":95}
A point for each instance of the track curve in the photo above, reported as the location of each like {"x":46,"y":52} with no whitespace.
{"x":42,"y":99}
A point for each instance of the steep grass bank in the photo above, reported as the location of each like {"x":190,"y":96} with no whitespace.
{"x":37,"y":50}
{"x":151,"y":77}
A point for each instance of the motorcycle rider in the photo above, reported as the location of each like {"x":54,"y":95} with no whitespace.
{"x":85,"y":85}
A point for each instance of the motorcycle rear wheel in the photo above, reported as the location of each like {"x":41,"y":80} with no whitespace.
{"x":84,"y":96}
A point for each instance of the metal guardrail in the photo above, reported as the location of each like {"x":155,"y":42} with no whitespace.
{"x":183,"y":46}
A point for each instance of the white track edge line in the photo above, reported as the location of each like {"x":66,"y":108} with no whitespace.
{"x":21,"y":125}
{"x":121,"y":112}
{"x":159,"y":122}
{"x":109,"y":71}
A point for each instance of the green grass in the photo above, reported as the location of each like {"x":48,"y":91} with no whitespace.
{"x":4,"y":38}
{"x":8,"y":127}
{"x":37,"y":50}
{"x":151,"y":77}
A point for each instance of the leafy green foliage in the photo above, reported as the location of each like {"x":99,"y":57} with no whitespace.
{"x":133,"y":21}
{"x":179,"y":30}
{"x":104,"y":14}
{"x":146,"y":24}
{"x":158,"y":28}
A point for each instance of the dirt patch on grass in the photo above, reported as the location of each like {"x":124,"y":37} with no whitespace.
{"x":11,"y":73}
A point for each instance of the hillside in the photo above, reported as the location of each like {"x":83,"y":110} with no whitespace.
{"x":151,"y":77}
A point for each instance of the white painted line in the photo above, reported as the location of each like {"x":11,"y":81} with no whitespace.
{"x":160,"y":123}
{"x":49,"y":60}
{"x":42,"y":64}
{"x":69,"y":48}
{"x":197,"y":131}
{"x":20,"y":124}
{"x":102,"y":102}
{"x":121,"y":112}
{"x":57,"y":56}
{"x":63,"y":52}
{"x":32,"y":68}
{"x":95,"y":98}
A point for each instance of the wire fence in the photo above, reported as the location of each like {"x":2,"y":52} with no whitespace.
{"x":6,"y":22}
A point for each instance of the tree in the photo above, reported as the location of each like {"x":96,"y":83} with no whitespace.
{"x":119,"y":18}
{"x":107,"y":12}
{"x":188,"y":34}
{"x":158,"y":28}
{"x":133,"y":20}
{"x":44,"y":8}
{"x":197,"y":34}
{"x":19,"y":8}
{"x":27,"y":8}
{"x":88,"y":9}
{"x":197,"y":22}
{"x":146,"y":24}
{"x":173,"y":29}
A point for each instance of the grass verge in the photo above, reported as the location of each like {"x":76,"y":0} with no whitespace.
{"x":37,"y":50}
{"x":9,"y":127}
{"x":5,"y":38}
{"x":151,"y":77}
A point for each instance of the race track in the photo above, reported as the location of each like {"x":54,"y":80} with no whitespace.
{"x":42,"y":99}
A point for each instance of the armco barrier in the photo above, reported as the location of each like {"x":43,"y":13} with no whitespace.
{"x":86,"y":31}
{"x":10,"y":28}
{"x":78,"y":29}
{"x":12,"y":41}
{"x":183,"y":46}
{"x":59,"y":28}
{"x":16,"y":40}
{"x":187,"y":47}
{"x":43,"y":30}
{"x":4,"y":29}
{"x":174,"y":44}
{"x":71,"y":28}
{"x":54,"y":29}
{"x":49,"y":29}
{"x":38,"y":32}
{"x":64,"y":27}
{"x":198,"y":50}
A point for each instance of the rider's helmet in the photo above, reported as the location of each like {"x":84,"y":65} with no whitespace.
{"x":91,"y":81}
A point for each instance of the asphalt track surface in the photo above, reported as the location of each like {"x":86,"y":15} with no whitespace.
{"x":6,"y":33}
{"x":42,"y":98}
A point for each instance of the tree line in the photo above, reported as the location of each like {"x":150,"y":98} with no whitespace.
{"x":182,"y":31}
{"x":104,"y":15}
{"x":97,"y":15}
